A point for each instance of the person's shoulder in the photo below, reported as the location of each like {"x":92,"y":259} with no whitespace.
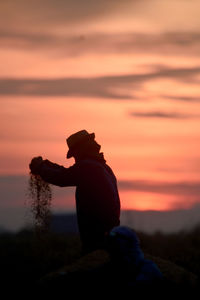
{"x":94,"y":164}
{"x":89,"y":162}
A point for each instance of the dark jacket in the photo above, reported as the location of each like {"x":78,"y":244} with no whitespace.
{"x":97,"y":198}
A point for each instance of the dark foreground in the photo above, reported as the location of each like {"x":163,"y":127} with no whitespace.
{"x":52,"y":263}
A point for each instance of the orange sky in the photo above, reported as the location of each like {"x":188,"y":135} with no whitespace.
{"x":127,"y":70}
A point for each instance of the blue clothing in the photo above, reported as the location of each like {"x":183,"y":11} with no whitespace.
{"x":127,"y":256}
{"x":148,"y":273}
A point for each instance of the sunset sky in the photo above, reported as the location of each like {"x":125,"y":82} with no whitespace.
{"x":128,"y":70}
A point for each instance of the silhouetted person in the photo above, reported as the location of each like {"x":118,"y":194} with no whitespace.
{"x":97,"y":198}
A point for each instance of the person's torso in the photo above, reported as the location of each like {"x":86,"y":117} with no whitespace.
{"x":97,"y":192}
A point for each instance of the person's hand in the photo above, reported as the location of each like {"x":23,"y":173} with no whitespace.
{"x":35,"y":165}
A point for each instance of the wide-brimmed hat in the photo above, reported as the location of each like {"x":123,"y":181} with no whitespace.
{"x":77,"y":139}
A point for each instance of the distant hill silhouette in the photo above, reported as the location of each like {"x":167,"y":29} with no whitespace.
{"x":164,"y":221}
{"x":64,"y":223}
{"x":147,"y":221}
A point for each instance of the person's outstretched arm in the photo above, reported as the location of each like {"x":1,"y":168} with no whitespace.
{"x":54,"y":173}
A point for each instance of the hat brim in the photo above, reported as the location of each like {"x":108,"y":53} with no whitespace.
{"x":70,"y":151}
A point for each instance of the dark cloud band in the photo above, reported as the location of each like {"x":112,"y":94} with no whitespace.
{"x":168,"y":188}
{"x":170,"y":43}
{"x":183,"y":98}
{"x":95,"y":87}
{"x":184,"y":188}
{"x":163,"y":115}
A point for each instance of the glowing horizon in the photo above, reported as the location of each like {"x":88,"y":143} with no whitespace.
{"x":120,"y":69}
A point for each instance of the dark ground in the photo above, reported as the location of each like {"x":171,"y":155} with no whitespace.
{"x":53,"y":261}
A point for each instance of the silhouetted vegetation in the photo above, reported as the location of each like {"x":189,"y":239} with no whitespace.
{"x":181,"y":248}
{"x":25,"y":259}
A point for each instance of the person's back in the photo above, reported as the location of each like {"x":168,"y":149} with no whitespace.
{"x":128,"y":259}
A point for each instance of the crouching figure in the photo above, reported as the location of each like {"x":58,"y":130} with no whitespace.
{"x":127,"y":258}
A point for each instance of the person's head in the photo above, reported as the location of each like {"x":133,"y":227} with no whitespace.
{"x":81,"y":144}
{"x":123,"y":245}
